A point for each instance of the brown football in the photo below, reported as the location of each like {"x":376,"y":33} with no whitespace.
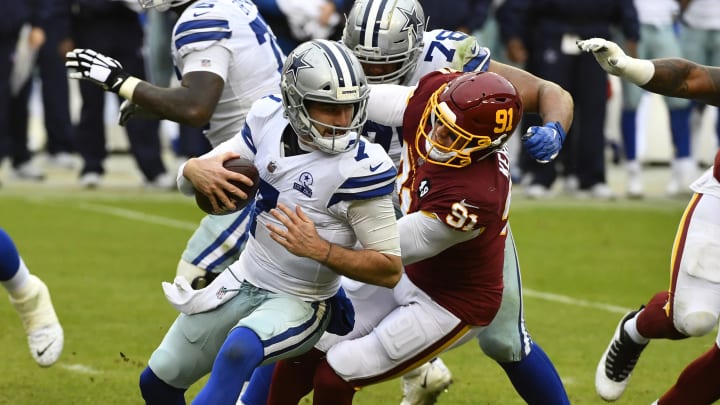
{"x":237,"y":165}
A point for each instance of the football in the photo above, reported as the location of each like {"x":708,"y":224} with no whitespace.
{"x":237,"y":165}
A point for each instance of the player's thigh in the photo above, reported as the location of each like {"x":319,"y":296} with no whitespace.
{"x":218,"y":240}
{"x":188,"y":349}
{"x":697,"y":260}
{"x":412,"y":333}
{"x":286,"y":325}
{"x":371,"y":304}
{"x":506,"y":339}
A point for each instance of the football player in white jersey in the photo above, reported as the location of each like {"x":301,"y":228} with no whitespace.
{"x":389,"y":39}
{"x":691,"y":307}
{"x":323,"y":190}
{"x":226,"y":57}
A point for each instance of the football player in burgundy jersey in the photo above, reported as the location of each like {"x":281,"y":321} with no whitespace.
{"x":454,"y":185}
{"x":691,"y":306}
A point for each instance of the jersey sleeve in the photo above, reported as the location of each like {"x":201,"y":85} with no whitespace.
{"x":387,"y":103}
{"x":201,"y":26}
{"x":372,"y":174}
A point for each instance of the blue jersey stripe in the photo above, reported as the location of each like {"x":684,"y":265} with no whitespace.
{"x":367,"y":181}
{"x":201,"y":24}
{"x":224,"y":235}
{"x":240,"y":244}
{"x":365,"y":195}
{"x":202,"y":36}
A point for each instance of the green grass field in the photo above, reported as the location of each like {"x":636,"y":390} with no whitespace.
{"x":104,"y":254}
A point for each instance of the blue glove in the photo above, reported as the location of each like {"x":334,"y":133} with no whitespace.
{"x":544,"y":143}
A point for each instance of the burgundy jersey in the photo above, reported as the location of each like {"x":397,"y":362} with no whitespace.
{"x":466,"y":278}
{"x":716,"y":166}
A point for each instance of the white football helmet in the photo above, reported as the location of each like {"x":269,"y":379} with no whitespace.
{"x":386,"y":32}
{"x":162,"y":5}
{"x":327,"y":72}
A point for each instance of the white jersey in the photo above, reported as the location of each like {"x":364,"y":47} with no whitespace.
{"x":442,"y":49}
{"x":252,"y":72}
{"x":449,"y":49}
{"x":322,"y":184}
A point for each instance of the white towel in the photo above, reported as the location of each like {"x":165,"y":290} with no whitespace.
{"x":189,"y":301}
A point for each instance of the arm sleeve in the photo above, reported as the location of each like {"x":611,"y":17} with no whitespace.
{"x":424,"y":236}
{"x":387,"y":103}
{"x":375,"y":225}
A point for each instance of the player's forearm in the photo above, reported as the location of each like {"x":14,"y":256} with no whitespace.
{"x":367,"y":266}
{"x":175,"y":104}
{"x":682,"y":78}
{"x":555,"y":104}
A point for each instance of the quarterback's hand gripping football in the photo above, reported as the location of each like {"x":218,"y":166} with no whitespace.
{"x":614,"y":61}
{"x":102,"y":70}
{"x":544,"y":143}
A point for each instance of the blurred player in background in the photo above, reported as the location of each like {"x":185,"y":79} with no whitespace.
{"x":398,"y":50}
{"x":323,"y":190}
{"x":691,"y":306}
{"x":31,"y":299}
{"x":226,"y":57}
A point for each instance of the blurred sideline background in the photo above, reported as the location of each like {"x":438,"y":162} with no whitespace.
{"x":654,"y":141}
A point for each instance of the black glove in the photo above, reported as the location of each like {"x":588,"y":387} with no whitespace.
{"x":100,"y":69}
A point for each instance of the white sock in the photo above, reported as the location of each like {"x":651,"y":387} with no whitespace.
{"x":18,"y":281}
{"x":631,"y":329}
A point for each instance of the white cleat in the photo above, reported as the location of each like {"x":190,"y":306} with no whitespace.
{"x":424,"y":385}
{"x":45,"y":335}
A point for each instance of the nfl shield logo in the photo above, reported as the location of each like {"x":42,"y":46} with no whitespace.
{"x":221,"y":293}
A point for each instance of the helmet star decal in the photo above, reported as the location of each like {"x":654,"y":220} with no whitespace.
{"x":298,"y":63}
{"x":412,"y":20}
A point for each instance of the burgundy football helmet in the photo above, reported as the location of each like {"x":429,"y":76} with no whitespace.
{"x":481,"y":109}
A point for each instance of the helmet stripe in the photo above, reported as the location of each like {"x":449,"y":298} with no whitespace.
{"x":371,"y":23}
{"x":341,"y":63}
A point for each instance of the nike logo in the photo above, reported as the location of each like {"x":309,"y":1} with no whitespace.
{"x":374,"y":168}
{"x":41,"y":352}
{"x":199,"y":14}
{"x":117,"y":84}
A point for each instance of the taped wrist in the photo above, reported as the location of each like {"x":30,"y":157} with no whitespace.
{"x":639,"y":71}
{"x":127,"y":87}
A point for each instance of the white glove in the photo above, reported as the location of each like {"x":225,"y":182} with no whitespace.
{"x":614,"y":61}
{"x":189,"y":301}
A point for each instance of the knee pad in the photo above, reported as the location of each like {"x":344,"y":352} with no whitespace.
{"x":164,"y":366}
{"x":697,"y":323}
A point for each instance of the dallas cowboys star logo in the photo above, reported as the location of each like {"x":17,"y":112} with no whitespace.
{"x":411,"y":20}
{"x":298,"y":63}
